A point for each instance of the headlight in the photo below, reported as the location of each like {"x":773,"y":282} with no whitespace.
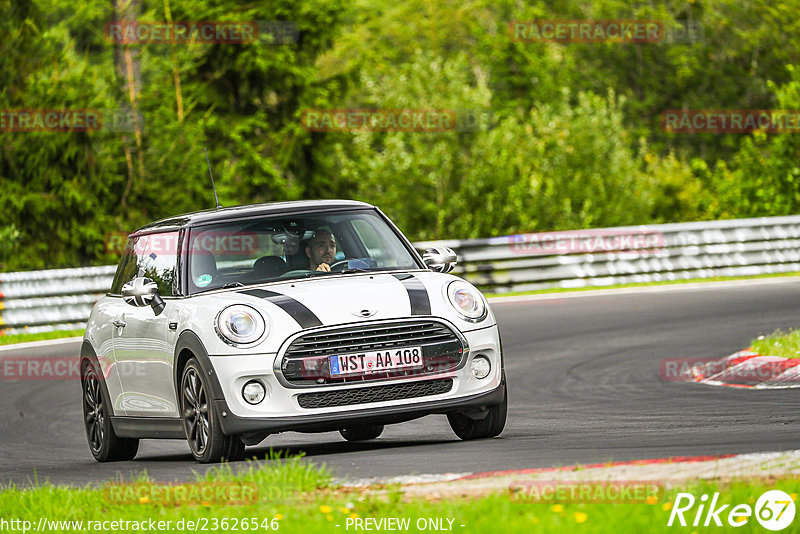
{"x":240,"y":325}
{"x":467,"y":300}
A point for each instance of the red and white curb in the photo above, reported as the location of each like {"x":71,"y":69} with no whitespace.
{"x":669,"y":471}
{"x":748,"y":369}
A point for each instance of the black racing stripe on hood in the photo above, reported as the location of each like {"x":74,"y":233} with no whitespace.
{"x":417,"y":294}
{"x":304,"y":317}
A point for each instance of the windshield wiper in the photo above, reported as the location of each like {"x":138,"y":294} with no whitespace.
{"x":232,"y":284}
{"x":297,"y":276}
{"x":354,"y":270}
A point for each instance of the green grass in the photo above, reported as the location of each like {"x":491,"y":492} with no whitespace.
{"x":25,"y":338}
{"x":638,"y":284}
{"x":303,"y":498}
{"x":779,"y":343}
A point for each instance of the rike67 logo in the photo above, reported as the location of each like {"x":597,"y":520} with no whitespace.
{"x":774,"y":510}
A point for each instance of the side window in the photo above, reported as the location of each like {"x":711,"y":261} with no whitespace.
{"x":156,"y":259}
{"x":153,"y":256}
{"x":127,"y":267}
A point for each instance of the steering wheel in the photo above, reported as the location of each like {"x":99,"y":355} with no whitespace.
{"x":340,"y":265}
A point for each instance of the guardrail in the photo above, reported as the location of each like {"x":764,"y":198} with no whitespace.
{"x":62,"y":298}
{"x":56,"y":299}
{"x":679,"y":251}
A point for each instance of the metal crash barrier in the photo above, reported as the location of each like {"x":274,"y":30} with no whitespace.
{"x":62,"y":299}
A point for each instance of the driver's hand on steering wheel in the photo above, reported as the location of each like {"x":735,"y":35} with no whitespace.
{"x":324,"y":267}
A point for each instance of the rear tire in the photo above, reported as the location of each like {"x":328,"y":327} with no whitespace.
{"x":490,"y":426}
{"x":361,"y":432}
{"x":201,"y":421}
{"x":103,"y":441}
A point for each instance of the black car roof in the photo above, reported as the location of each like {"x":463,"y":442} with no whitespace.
{"x":248,"y":210}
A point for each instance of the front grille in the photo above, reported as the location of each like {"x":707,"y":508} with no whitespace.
{"x":306,"y":360}
{"x":391,"y":392}
{"x":373,"y":337}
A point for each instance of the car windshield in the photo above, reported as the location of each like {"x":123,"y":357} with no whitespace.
{"x":254,"y":251}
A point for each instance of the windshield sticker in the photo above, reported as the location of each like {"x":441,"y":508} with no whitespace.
{"x":203,"y":280}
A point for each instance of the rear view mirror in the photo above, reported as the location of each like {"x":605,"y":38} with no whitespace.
{"x":142,"y":292}
{"x":440,"y":259}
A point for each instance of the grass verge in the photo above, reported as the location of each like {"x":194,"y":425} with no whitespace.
{"x":779,"y":343}
{"x":39,"y":336}
{"x":639,"y":284}
{"x":296,"y":496}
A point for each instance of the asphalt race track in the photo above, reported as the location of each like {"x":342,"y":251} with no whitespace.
{"x":584,"y":385}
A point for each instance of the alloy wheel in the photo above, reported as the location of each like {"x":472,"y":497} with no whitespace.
{"x":94,"y":411}
{"x":195,"y":411}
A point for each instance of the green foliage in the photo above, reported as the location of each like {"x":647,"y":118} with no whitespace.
{"x":9,"y":237}
{"x":766,"y":171}
{"x":561,"y":166}
{"x":569,"y":136}
{"x":65,"y":191}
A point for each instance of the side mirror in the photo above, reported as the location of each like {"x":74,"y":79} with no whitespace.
{"x":440,"y":259}
{"x":142,"y":292}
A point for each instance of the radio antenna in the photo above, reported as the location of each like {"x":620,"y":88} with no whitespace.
{"x":212,"y":179}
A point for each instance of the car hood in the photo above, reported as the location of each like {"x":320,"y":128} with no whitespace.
{"x":340,"y":299}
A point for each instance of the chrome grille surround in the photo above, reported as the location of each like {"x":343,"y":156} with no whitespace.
{"x":444,"y":349}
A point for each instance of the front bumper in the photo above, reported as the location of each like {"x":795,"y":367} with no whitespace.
{"x":281,"y":410}
{"x":232,"y":424}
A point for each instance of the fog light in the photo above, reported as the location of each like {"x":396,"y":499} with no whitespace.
{"x":253,"y":392}
{"x":481,"y":367}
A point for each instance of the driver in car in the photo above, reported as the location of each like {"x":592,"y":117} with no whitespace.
{"x":321,"y":250}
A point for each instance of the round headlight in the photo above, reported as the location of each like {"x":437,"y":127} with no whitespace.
{"x":467,"y":300}
{"x":240,"y":325}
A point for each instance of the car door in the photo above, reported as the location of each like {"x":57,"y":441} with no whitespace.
{"x":143,"y":346}
{"x":110,"y":311}
{"x":102,"y":332}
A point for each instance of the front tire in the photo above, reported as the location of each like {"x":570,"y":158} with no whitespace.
{"x":490,"y":426}
{"x":103,"y":441}
{"x":361,"y":432}
{"x":200,"y":421}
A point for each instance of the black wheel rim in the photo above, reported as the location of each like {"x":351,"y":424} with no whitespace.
{"x":93,"y":410}
{"x":194,"y":405}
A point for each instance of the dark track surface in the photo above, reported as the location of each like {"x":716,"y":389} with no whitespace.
{"x":584,"y":387}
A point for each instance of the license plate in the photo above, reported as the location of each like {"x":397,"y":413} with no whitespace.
{"x":379,"y":361}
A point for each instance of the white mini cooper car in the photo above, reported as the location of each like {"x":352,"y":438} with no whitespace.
{"x":227,"y":325}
